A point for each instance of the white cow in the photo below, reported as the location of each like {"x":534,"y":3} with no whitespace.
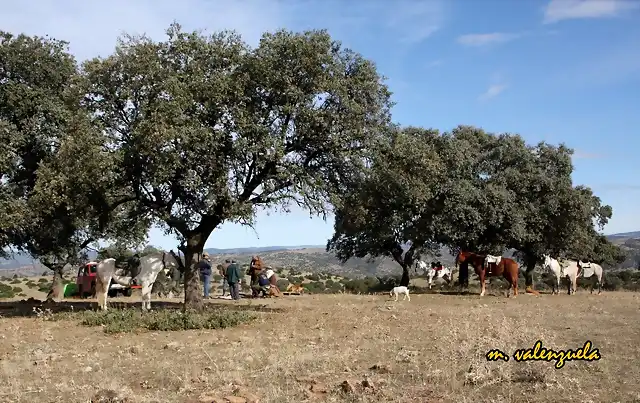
{"x":435,"y":272}
{"x":150,"y":266}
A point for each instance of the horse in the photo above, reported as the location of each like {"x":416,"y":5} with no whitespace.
{"x":435,"y":271}
{"x":555,"y":268}
{"x":487,"y":265}
{"x":145,"y":274}
{"x":586,"y":270}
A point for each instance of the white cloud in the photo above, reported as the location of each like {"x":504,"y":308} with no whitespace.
{"x":486,"y":39}
{"x":415,"y":21}
{"x":558,"y":10}
{"x":493,"y":91}
{"x":92,"y":27}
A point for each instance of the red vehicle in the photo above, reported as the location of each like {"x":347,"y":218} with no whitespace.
{"x":86,"y":282}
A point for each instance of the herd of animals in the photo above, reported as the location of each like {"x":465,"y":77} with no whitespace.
{"x":484,"y":266}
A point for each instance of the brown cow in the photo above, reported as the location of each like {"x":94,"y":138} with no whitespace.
{"x":485,"y":266}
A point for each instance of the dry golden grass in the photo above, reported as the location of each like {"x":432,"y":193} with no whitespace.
{"x":430,"y":349}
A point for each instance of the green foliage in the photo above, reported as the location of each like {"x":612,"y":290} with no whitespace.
{"x":282,"y":284}
{"x":42,"y":280}
{"x":470,"y":190}
{"x":6,"y":291}
{"x":129,"y":320}
{"x":313,"y":277}
{"x":15,"y":281}
{"x":217,"y":278}
{"x":315,"y":287}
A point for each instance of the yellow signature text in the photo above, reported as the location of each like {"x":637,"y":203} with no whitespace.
{"x":540,"y":353}
{"x":495,"y":355}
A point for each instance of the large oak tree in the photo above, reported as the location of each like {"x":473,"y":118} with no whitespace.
{"x":56,"y":194}
{"x":205,"y":129}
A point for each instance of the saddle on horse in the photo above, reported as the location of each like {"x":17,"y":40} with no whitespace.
{"x":489,"y":260}
{"x":437,"y":266}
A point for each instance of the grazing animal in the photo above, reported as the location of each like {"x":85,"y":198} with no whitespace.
{"x":436,"y":271}
{"x":487,"y":265}
{"x":586,"y":270}
{"x":400,"y":290}
{"x":145,"y":275}
{"x":554,"y":266}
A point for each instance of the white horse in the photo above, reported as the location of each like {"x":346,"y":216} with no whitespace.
{"x":571,"y":270}
{"x":589,"y":270}
{"x":555,"y":268}
{"x":150,"y":266}
{"x":434,"y":272}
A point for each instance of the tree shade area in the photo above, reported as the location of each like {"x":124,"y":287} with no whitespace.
{"x":194,"y":131}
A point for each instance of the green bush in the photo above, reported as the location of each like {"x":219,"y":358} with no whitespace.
{"x":31,"y":284}
{"x":313,"y":277}
{"x":217,"y":278}
{"x":132,"y":319}
{"x":282,"y":284}
{"x":15,"y":281}
{"x":315,"y":287}
{"x":6,"y":291}
{"x":42,"y":280}
{"x":17,"y":289}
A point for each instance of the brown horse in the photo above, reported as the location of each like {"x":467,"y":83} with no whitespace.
{"x":506,"y":267}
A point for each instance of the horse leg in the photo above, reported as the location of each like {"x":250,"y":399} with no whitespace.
{"x":482,"y":285}
{"x":146,"y":296}
{"x":600,"y":284}
{"x":430,"y":277}
{"x":102,"y":291}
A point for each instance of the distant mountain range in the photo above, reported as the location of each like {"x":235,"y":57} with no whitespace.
{"x":312,"y":258}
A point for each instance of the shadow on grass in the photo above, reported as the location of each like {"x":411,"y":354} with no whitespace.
{"x":27,"y":308}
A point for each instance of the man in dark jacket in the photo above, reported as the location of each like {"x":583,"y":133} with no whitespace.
{"x":204,"y":266}
{"x":234,"y":276}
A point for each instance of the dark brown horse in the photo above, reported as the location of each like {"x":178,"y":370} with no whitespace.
{"x":506,"y":267}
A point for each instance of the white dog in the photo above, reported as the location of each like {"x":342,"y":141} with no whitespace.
{"x":400,"y":290}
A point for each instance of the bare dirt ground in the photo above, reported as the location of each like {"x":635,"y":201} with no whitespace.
{"x":429,"y":349}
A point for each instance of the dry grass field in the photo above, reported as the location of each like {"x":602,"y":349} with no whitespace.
{"x":333,"y":348}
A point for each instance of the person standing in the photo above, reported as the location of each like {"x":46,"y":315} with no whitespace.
{"x":234,"y":275}
{"x":223,"y":272}
{"x":255,"y":268}
{"x":204,"y":265}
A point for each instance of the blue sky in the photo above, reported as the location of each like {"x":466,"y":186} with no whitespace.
{"x":559,"y":71}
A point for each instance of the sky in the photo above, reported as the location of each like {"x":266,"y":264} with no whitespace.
{"x":557,"y":71}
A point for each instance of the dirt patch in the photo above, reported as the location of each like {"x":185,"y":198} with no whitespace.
{"x":337,"y":348}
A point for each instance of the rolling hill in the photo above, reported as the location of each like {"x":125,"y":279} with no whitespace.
{"x":312,"y":258}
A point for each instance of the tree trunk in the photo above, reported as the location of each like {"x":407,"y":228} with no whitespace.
{"x":192,"y":286}
{"x":404,"y":281}
{"x":57,"y":287}
{"x":463,"y":275}
{"x":530,"y":264}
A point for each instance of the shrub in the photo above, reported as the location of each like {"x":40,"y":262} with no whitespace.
{"x":17,"y":289}
{"x":131,"y":319}
{"x":217,"y":278}
{"x":6,"y":291}
{"x":42,"y":280}
{"x":31,"y":284}
{"x":282,"y":284}
{"x":15,"y":281}
{"x":314,"y":277}
{"x":315,"y":287}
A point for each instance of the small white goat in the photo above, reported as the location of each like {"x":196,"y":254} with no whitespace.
{"x":400,"y":290}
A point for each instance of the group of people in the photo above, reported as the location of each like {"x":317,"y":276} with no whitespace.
{"x":263,"y":279}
